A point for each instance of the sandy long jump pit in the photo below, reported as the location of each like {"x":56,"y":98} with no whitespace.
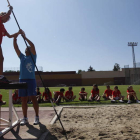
{"x":107,"y":123}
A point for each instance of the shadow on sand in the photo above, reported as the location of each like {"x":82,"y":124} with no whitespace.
{"x":32,"y":131}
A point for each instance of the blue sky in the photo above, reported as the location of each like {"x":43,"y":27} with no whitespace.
{"x":74,"y":34}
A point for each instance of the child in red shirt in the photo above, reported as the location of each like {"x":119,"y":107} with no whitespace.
{"x":58,"y":96}
{"x":4,"y":17}
{"x":116,"y":95}
{"x":47,"y":96}
{"x":94,"y":93}
{"x":107,"y":95}
{"x":131,"y":95}
{"x":16,"y":98}
{"x":83,"y":95}
{"x":69,"y":95}
{"x":38,"y":96}
{"x":1,"y":101}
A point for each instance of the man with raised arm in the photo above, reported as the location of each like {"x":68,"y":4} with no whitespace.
{"x":27,"y":74}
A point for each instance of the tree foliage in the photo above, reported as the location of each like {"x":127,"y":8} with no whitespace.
{"x":12,"y":71}
{"x":79,"y":71}
{"x":116,"y":67}
{"x":91,"y":69}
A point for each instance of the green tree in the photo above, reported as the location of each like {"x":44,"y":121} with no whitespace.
{"x":10,"y":71}
{"x":91,"y":69}
{"x":116,"y":67}
{"x":79,"y":71}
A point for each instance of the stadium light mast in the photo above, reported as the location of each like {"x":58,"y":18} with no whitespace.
{"x":132,"y":44}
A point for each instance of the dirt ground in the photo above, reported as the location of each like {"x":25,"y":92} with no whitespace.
{"x":106,"y":123}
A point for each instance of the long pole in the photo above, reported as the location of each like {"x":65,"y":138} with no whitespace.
{"x":39,"y":73}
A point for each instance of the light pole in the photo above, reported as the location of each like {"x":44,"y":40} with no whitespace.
{"x":132,"y":44}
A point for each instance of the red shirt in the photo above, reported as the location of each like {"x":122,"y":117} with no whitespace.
{"x":15,"y":97}
{"x":2,"y":31}
{"x":94,"y":92}
{"x":59,"y":93}
{"x":69,"y":94}
{"x":0,"y":98}
{"x":108,"y":92}
{"x":116,"y":94}
{"x":38,"y":93}
{"x":81,"y":92}
{"x":47,"y":96}
{"x":130,"y":91}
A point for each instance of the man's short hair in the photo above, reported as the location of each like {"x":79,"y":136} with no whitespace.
{"x":83,"y":88}
{"x":62,"y":90}
{"x":116,"y":87}
{"x":70,"y":88}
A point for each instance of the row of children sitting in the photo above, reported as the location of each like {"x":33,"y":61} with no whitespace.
{"x":58,"y":96}
{"x":47,"y":96}
{"x":108,"y":94}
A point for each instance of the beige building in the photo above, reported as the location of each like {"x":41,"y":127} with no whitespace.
{"x":103,"y":77}
{"x":124,"y":76}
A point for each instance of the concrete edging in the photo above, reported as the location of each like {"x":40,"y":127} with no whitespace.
{"x":44,"y":135}
{"x":55,"y":117}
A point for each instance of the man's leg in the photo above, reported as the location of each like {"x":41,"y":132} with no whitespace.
{"x":81,"y":98}
{"x":104,"y":97}
{"x":35,"y":105}
{"x":110,"y":97}
{"x":24,"y":106}
{"x":73,"y":97}
{"x":90,"y":98}
{"x":1,"y":61}
{"x":85,"y":97}
{"x":135,"y":96}
{"x":98,"y":99}
{"x":66,"y":99}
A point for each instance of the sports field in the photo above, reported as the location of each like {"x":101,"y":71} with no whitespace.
{"x":76,"y":91}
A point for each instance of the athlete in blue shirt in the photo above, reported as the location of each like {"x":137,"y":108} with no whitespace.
{"x":27,"y":74}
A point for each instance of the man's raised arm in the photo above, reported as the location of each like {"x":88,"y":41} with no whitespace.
{"x":6,"y":16}
{"x":32,"y":47}
{"x":16,"y":45}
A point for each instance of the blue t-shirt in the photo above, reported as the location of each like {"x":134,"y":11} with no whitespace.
{"x":27,"y":67}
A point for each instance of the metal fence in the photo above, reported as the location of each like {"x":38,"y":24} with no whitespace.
{"x":132,"y":75}
{"x":17,"y":69}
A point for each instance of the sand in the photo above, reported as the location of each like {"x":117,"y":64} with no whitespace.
{"x":106,"y":123}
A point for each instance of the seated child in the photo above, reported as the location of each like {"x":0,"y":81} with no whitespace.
{"x":2,"y":102}
{"x":58,"y":96}
{"x":83,"y":95}
{"x":131,"y":95}
{"x":116,"y":95}
{"x":38,"y":96}
{"x":107,"y":95}
{"x":16,"y":98}
{"x":29,"y":100}
{"x":69,"y":95}
{"x":94,"y":93}
{"x":47,"y":96}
